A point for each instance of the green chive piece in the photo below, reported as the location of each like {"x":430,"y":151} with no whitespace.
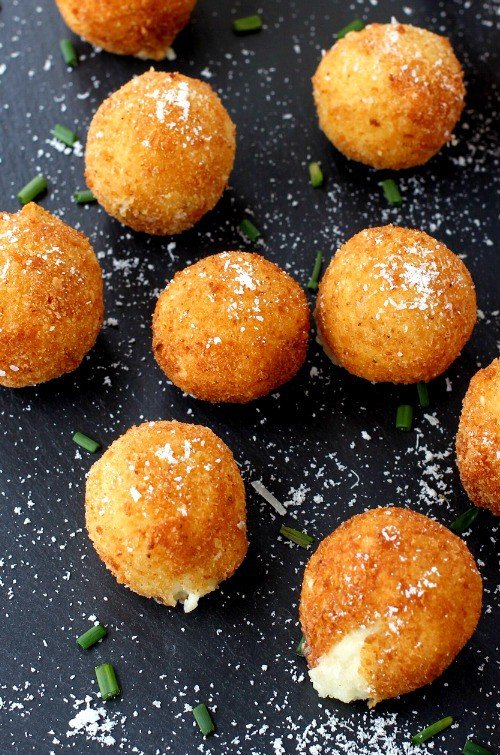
{"x":107,"y":681}
{"x":471,"y":748}
{"x":423,"y":394}
{"x":249,"y":230}
{"x":315,"y":174}
{"x":404,"y":417}
{"x":68,"y":52}
{"x":296,"y":536}
{"x":391,"y":192}
{"x":32,"y":190}
{"x":91,"y":636}
{"x":247,"y":25}
{"x":89,"y":444}
{"x":464,"y":521}
{"x":299,"y":650}
{"x":64,"y":135}
{"x":312,"y":283}
{"x":355,"y":25}
{"x":204,"y":719}
{"x":431,"y":730}
{"x":84,"y":197}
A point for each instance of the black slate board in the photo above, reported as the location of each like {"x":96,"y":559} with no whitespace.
{"x":326,"y":441}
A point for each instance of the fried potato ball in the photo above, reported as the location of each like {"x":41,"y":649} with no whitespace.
{"x":232,"y":327}
{"x":395,"y":305}
{"x":51,"y":299}
{"x":388,"y":600}
{"x":478,"y":439}
{"x":390,"y":95}
{"x":165,"y":509}
{"x":159,"y":152}
{"x":144,"y":28}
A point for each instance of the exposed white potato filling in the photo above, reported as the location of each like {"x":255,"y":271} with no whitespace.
{"x":327,"y":351}
{"x":337,"y":673}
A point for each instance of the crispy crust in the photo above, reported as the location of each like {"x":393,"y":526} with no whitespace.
{"x":159,"y":152}
{"x":165,"y":509}
{"x":395,"y":305}
{"x":51,"y":297}
{"x":478,"y":439}
{"x":390,"y":95}
{"x":404,"y":574}
{"x":145,"y":28}
{"x":232,"y":327}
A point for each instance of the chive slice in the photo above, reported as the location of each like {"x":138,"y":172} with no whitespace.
{"x":84,"y":196}
{"x":247,"y":25}
{"x":315,"y":174}
{"x":68,"y":52}
{"x":430,"y":731}
{"x":91,"y":636}
{"x":299,"y":650}
{"x":355,"y":25}
{"x":89,"y":444}
{"x":32,"y":190}
{"x":312,"y":283}
{"x":423,"y":394}
{"x":296,"y":536}
{"x":64,"y":135}
{"x":464,"y":521}
{"x":203,"y":719}
{"x":471,"y":748}
{"x":404,"y":417}
{"x":249,"y":230}
{"x":107,"y":681}
{"x":391,"y":192}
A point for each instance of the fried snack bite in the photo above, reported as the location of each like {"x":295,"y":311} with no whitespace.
{"x":390,"y":95}
{"x":388,"y":600}
{"x":51,"y":297}
{"x":165,"y":510}
{"x":159,"y":152}
{"x":232,"y":327}
{"x":395,"y":305}
{"x":478,"y":439}
{"x":144,"y":28}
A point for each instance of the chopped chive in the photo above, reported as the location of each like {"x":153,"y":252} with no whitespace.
{"x":315,"y":174}
{"x":107,"y":681}
{"x":296,"y":536}
{"x":312,"y":283}
{"x":299,"y":650}
{"x":64,"y":135}
{"x":91,"y":636}
{"x":247,"y":25}
{"x":68,"y":52}
{"x":471,"y":748}
{"x":430,"y":731}
{"x":355,"y":25}
{"x":249,"y":230}
{"x":84,"y":197}
{"x":423,"y":394}
{"x":464,"y":521}
{"x":32,"y":190}
{"x":203,"y":719}
{"x":404,"y":417}
{"x":391,"y":192}
{"x":89,"y":444}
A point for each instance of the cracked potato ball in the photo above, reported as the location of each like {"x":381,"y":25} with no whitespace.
{"x":51,"y":297}
{"x":478,"y":439}
{"x":159,"y":152}
{"x":395,"y":305}
{"x":165,"y":510}
{"x":144,"y":28}
{"x":388,"y":600}
{"x":232,"y":327}
{"x":390,"y":95}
